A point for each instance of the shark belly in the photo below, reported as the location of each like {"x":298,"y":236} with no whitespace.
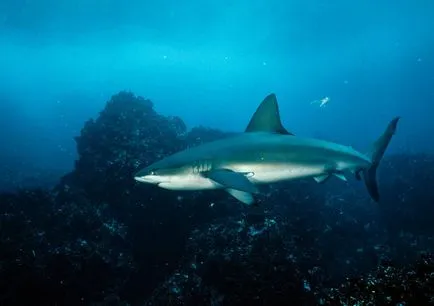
{"x":263,"y":174}
{"x":190,"y":182}
{"x":257,"y":174}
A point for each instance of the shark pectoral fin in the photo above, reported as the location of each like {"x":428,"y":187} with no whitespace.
{"x":242,"y":196}
{"x":340,"y":176}
{"x":321,"y":178}
{"x":231,"y":179}
{"x":267,"y":118}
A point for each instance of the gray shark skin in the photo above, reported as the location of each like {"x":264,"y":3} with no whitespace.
{"x":265,"y":153}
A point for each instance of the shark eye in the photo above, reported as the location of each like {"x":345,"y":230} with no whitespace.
{"x":152,"y":172}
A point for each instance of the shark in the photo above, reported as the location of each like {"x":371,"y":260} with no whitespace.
{"x":266,"y":152}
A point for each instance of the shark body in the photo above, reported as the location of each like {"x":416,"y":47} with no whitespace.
{"x":265,"y":153}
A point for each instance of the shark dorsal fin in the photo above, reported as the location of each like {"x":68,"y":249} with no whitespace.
{"x":267,"y":118}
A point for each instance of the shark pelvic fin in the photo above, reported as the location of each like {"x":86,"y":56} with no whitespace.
{"x":321,"y":178}
{"x":231,"y":179}
{"x":324,"y":177}
{"x":267,"y":118}
{"x":241,"y":196}
{"x":340,"y":176}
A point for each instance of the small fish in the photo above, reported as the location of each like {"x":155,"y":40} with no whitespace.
{"x":322,"y":102}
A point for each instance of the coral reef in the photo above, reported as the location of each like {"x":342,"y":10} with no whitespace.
{"x":99,"y":238}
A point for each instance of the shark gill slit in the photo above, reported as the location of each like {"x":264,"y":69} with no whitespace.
{"x":201,"y":166}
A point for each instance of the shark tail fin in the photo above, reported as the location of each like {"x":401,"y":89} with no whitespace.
{"x":378,"y":149}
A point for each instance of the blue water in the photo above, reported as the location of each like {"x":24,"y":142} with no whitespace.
{"x":211,"y":63}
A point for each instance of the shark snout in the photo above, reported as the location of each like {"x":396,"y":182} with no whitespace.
{"x":150,"y":179}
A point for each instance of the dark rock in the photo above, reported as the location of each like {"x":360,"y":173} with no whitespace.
{"x":100,"y":238}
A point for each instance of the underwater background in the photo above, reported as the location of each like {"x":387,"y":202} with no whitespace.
{"x":91,"y":91}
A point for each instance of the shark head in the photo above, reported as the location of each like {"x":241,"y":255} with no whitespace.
{"x":160,"y":173}
{"x":151,"y":176}
{"x":170,"y":175}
